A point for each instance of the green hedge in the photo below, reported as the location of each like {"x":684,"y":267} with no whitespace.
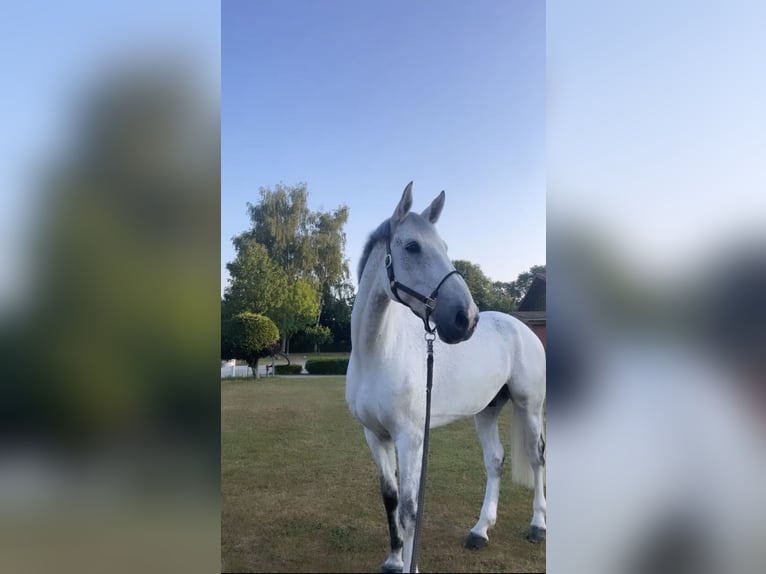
{"x":327,"y":366}
{"x":288,"y":369}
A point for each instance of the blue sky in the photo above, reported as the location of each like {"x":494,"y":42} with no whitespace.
{"x":358,"y":98}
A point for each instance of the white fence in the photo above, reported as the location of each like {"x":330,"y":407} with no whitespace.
{"x":239,"y":371}
{"x":229,"y":369}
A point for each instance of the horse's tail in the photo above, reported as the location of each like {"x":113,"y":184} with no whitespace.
{"x":521,"y":469}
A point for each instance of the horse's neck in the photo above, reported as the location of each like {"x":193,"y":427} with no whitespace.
{"x":372,"y":329}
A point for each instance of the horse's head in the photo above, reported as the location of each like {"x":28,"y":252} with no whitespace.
{"x":421,"y":275}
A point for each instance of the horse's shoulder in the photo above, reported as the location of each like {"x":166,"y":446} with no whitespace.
{"x":500,"y":321}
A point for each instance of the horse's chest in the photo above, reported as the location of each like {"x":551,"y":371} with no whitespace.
{"x":380,"y":401}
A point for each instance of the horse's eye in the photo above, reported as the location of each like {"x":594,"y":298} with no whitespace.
{"x":412,"y":247}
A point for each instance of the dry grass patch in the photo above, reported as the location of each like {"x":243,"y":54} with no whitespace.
{"x":300,"y":492}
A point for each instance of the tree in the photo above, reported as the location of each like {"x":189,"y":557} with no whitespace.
{"x":336,"y":315}
{"x":478,"y":283}
{"x":488,"y":295}
{"x":307,"y":247}
{"x":318,"y":335}
{"x":256,"y":282}
{"x":298,"y":310}
{"x":502,"y":298}
{"x":282,"y":222}
{"x":523,"y":282}
{"x":329,"y":243}
{"x":248,"y":336}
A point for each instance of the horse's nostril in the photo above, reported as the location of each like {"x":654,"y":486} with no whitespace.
{"x":461,"y":319}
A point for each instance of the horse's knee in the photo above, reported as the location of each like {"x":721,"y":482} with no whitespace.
{"x":407,"y":513}
{"x":537,"y":456}
{"x":494,"y":464}
{"x":536,"y":451}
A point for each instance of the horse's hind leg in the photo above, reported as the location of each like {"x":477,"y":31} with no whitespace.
{"x":494,"y":456}
{"x":384,"y":454}
{"x":531,"y":416}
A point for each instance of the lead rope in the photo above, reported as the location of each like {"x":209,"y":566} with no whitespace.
{"x":430,"y":336}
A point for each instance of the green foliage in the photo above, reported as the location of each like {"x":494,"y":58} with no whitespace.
{"x":299,"y":308}
{"x":502,"y":297}
{"x":305,"y":244}
{"x":248,"y":336}
{"x":318,"y":335}
{"x":281,"y":222}
{"x":523,"y":282}
{"x":497,"y":295}
{"x":298,"y":261}
{"x":327,"y":366}
{"x":329,"y":243}
{"x":486,"y":294}
{"x":257,"y":283}
{"x":336,"y":316}
{"x":479,"y":284}
{"x":288,"y":369}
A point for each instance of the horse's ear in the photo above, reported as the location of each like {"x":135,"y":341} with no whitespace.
{"x":433,"y":211}
{"x":405,"y":203}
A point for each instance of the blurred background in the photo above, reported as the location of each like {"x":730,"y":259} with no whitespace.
{"x":109,"y":288}
{"x":656,"y":248}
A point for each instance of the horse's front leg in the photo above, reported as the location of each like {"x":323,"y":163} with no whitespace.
{"x":410,"y":450}
{"x":384,"y":453}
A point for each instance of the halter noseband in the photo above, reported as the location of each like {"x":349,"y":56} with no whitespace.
{"x":429,"y":301}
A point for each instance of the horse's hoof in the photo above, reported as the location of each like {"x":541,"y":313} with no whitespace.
{"x":535,"y":534}
{"x":475,"y":542}
{"x":389,"y":569}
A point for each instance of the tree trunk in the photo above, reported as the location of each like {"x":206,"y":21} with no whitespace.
{"x":254,"y":366}
{"x":321,"y":306}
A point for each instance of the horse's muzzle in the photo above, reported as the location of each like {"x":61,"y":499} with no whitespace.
{"x":462,"y":328}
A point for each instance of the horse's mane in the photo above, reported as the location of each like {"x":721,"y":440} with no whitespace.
{"x":382,"y":233}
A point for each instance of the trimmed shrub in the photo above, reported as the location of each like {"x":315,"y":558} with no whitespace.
{"x":288,"y":369}
{"x":327,"y":366}
{"x":248,"y":336}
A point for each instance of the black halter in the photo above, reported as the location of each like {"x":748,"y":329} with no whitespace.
{"x":429,"y":301}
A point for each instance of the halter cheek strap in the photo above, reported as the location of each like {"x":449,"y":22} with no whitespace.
{"x":428,"y":300}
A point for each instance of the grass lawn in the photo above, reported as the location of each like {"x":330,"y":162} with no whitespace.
{"x":300,"y":491}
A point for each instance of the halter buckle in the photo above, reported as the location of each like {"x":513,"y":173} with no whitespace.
{"x":388,"y":260}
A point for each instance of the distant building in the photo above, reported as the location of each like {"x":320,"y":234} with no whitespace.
{"x":532,"y":307}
